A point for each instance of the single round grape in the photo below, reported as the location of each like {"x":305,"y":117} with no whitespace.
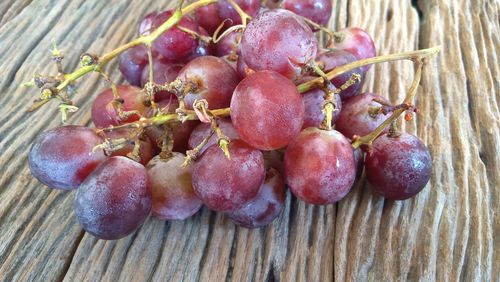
{"x":228,"y":184}
{"x":164,"y":72}
{"x":228,"y":44}
{"x":313,"y":104}
{"x":335,"y":58}
{"x":320,"y":167}
{"x":318,"y":11}
{"x":278,"y":40}
{"x":358,"y":42}
{"x":266,"y":206}
{"x":203,"y":129}
{"x":104,"y":114}
{"x":215,"y":78}
{"x":227,"y":11}
{"x":132,"y":62}
{"x":146,"y":152}
{"x":355,"y":117}
{"x":398,"y":167}
{"x":175,"y":44}
{"x":115,"y":199}
{"x":63,"y":157}
{"x":208,"y":17}
{"x":146,"y":25}
{"x":172,"y":188}
{"x":267,"y":110}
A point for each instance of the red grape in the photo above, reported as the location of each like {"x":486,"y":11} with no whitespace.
{"x":320,"y":167}
{"x":226,"y":10}
{"x":104,"y":114}
{"x":202,"y":130}
{"x":216,"y":80}
{"x":146,"y":25}
{"x":115,"y":199}
{"x":278,"y":40}
{"x":203,"y":48}
{"x":313,"y":104}
{"x":172,"y":188}
{"x":336,"y":58}
{"x":267,"y":110}
{"x":318,"y":11}
{"x":228,"y":184}
{"x":358,"y":42}
{"x":208,"y":17}
{"x":132,"y":62}
{"x":175,"y":44}
{"x":266,"y":206}
{"x":63,"y":157}
{"x":147,"y":150}
{"x":228,"y":44}
{"x":355,"y":118}
{"x":163,"y":72}
{"x":398,"y":167}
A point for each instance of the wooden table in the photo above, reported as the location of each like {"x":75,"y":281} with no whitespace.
{"x":449,"y":232}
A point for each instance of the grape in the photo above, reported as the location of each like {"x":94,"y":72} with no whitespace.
{"x":103,"y":113}
{"x":208,"y":17}
{"x":132,"y":62}
{"x":114,"y":200}
{"x":175,"y":44}
{"x":359,"y":159}
{"x":226,"y":10}
{"x":216,"y":81}
{"x":203,"y":129}
{"x":355,"y":118}
{"x":172,"y":188}
{"x":278,"y":40}
{"x":398,"y":167}
{"x":146,"y":25}
{"x":358,"y":42}
{"x":320,"y":167}
{"x":318,"y":11}
{"x":163,"y":72}
{"x":146,"y":151}
{"x":63,"y":157}
{"x":267,"y":110}
{"x":228,"y":184}
{"x":228,"y":44}
{"x":313,"y":104}
{"x":242,"y":68}
{"x":266,"y":206}
{"x":335,"y":58}
{"x":203,"y":48}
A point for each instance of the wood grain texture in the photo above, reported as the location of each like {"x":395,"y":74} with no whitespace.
{"x":449,"y":232}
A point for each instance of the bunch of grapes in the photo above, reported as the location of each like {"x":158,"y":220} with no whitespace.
{"x":227,"y":107}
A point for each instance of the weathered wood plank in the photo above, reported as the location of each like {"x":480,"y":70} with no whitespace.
{"x":450,"y":231}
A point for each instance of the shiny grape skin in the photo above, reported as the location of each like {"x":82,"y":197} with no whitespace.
{"x":358,"y":42}
{"x":115,"y":199}
{"x":63,"y":157}
{"x":228,"y":184}
{"x":355,"y":118}
{"x":146,"y":25}
{"x":228,"y":44}
{"x":318,"y":11}
{"x":398,"y":167}
{"x":203,"y":48}
{"x":208,"y":17}
{"x":172,"y":188}
{"x":175,"y":44}
{"x":147,"y":149}
{"x":313,"y":105}
{"x":203,"y":129}
{"x":266,"y":206}
{"x":335,"y":58}
{"x":320,"y":167}
{"x":267,"y":110}
{"x":216,"y":80}
{"x":132,"y":62}
{"x":280,"y":41}
{"x":103,"y":114}
{"x":226,"y":10}
{"x":164,"y":72}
